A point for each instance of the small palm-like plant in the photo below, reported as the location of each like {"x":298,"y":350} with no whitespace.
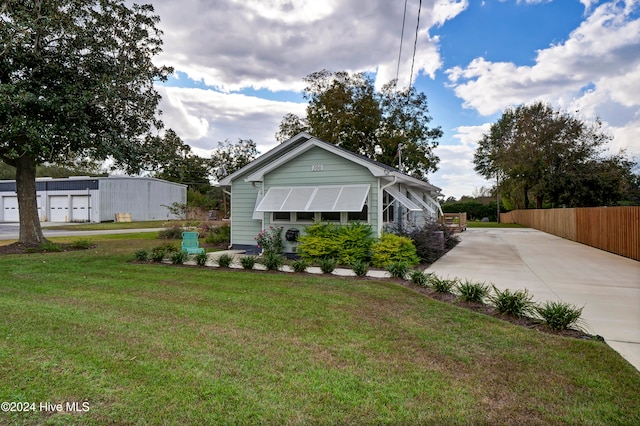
{"x":360,"y":268}
{"x":441,"y":285}
{"x":300,"y":265}
{"x":472,"y":291}
{"x":273,"y":261}
{"x":517,"y":303}
{"x":142,"y":255}
{"x":419,"y":278}
{"x":178,"y":257}
{"x":398,"y":269}
{"x":327,"y":265}
{"x":201,"y":258}
{"x":224,"y":260}
{"x":248,"y":262}
{"x":560,"y":315}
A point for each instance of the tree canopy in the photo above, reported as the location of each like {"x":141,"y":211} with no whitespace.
{"x":345,"y":109}
{"x":76,"y":81}
{"x":229,"y":157}
{"x":553,"y":157}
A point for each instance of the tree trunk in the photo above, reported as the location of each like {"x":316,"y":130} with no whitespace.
{"x":526,"y":196}
{"x":30,"y":230}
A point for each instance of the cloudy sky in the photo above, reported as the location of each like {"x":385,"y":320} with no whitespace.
{"x":240,"y":65}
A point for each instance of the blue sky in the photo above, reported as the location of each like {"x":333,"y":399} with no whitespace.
{"x":240,"y":65}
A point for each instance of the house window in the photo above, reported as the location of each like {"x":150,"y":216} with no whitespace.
{"x":330,"y":216}
{"x":361,"y":216}
{"x":305,"y":216}
{"x":388,"y":214}
{"x":281,"y":217}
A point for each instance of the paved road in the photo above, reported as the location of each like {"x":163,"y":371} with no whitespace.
{"x":10,"y":231}
{"x":552,"y":268}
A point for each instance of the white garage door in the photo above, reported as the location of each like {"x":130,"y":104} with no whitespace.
{"x":10,"y":213}
{"x":58,"y":208}
{"x":80,"y":208}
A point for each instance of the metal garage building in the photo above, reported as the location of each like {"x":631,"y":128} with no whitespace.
{"x":96,"y":199}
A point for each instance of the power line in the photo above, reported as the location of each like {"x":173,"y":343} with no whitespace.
{"x":404,"y":17}
{"x":415,"y":43}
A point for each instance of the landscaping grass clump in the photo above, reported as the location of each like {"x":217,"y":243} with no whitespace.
{"x":179,"y":257}
{"x":441,"y":285}
{"x":419,"y":278}
{"x":201,"y":258}
{"x":517,"y":303}
{"x":248,"y":262}
{"x":159,"y":253}
{"x":360,"y":268}
{"x":142,"y":255}
{"x":560,"y":315}
{"x":224,"y":260}
{"x":140,"y":342}
{"x":272,"y":261}
{"x":46,"y":247}
{"x":327,"y":265}
{"x":398,"y":269}
{"x":81,"y":244}
{"x":299,"y":265}
{"x":472,"y":291}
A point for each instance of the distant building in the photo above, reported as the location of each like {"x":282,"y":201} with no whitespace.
{"x":96,"y":199}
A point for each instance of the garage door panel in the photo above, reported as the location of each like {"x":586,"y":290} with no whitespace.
{"x":80,"y":208}
{"x":59,"y":208}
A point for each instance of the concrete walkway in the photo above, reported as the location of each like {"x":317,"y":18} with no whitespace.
{"x":552,"y":268}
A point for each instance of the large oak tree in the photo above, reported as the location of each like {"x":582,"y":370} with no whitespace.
{"x":76,"y":81}
{"x":387,"y":125}
{"x":552,"y":157}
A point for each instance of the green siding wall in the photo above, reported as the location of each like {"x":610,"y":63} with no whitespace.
{"x":335,"y":171}
{"x":243,"y":200}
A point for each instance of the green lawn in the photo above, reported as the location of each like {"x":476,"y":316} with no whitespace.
{"x":160,"y":344}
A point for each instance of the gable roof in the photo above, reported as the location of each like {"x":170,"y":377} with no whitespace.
{"x":303,"y":142}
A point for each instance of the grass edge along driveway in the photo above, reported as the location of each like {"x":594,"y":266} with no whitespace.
{"x":154,"y":344}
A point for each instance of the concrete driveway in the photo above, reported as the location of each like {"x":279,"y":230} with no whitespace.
{"x":552,"y":268}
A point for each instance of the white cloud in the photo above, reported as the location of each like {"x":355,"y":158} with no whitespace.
{"x":202,"y":118}
{"x":455,"y":174}
{"x":601,"y":55}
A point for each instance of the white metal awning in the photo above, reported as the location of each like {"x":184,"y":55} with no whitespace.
{"x":337,"y":198}
{"x":423,"y":203}
{"x":402,"y":199}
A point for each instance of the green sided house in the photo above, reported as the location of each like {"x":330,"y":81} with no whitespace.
{"x":306,"y":180}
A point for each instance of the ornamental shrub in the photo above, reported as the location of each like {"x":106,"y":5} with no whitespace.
{"x":398,"y":269}
{"x":432,"y":240}
{"x":360,"y":268}
{"x":560,"y":315}
{"x":517,"y":303}
{"x":270,"y":240}
{"x":393,"y":248}
{"x":344,"y":243}
{"x":224,"y":260}
{"x":219,"y":235}
{"x":300,"y":265}
{"x":201,"y":258}
{"x":472,"y":291}
{"x":248,"y":262}
{"x":418,"y":277}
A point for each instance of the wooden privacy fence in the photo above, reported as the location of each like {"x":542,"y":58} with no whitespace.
{"x":614,"y":229}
